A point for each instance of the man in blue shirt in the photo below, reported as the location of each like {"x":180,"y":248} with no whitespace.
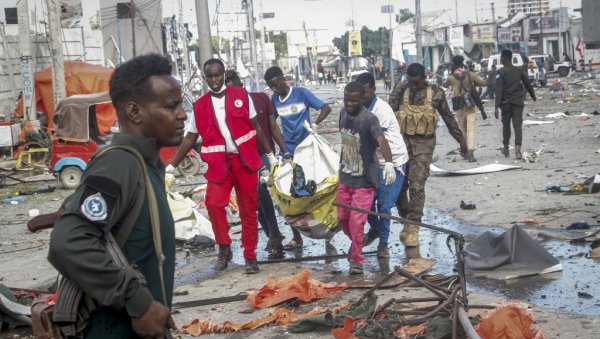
{"x":293,"y":106}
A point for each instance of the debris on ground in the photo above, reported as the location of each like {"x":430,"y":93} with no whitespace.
{"x":299,"y":286}
{"x":466,"y":206}
{"x":281,"y":317}
{"x":509,"y":255}
{"x":509,"y":321}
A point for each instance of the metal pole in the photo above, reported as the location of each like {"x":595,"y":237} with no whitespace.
{"x":8,"y":62}
{"x":263,"y":31}
{"x":204,"y":39}
{"x":391,"y":37}
{"x":132,"y":11}
{"x":541,"y":38}
{"x":455,"y":11}
{"x":495,"y":27}
{"x":252,"y":35}
{"x":27,"y":63}
{"x":186,"y":75}
{"x":58,"y":70}
{"x":419,"y":31}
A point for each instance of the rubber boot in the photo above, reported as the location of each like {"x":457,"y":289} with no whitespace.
{"x":224,"y":257}
{"x":251,"y":266}
{"x":518,"y":154}
{"x":410,"y":235}
{"x":504,"y":151}
{"x":470,"y":156}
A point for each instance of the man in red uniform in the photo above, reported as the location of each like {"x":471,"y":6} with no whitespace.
{"x":226,"y":120}
{"x":265,"y":113}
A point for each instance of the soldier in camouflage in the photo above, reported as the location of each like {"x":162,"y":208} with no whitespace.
{"x":415,"y":103}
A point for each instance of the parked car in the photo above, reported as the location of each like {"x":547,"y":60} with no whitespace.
{"x":518,"y":59}
{"x":552,"y":66}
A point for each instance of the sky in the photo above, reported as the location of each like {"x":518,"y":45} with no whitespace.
{"x":329,"y":18}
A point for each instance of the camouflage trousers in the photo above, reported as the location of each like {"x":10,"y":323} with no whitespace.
{"x":412,"y":198}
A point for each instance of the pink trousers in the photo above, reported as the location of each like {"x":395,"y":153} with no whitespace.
{"x":353,"y":223}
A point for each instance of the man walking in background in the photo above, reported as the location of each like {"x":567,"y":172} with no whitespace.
{"x":461,"y":80}
{"x":510,"y":101}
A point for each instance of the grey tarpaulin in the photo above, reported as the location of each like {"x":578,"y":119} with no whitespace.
{"x":509,"y":255}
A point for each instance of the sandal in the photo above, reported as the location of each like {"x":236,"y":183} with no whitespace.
{"x":293,"y":245}
{"x":356,"y":268}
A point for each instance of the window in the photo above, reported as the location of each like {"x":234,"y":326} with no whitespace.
{"x":10,"y":13}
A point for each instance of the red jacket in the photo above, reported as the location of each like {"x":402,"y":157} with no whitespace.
{"x":239,"y":125}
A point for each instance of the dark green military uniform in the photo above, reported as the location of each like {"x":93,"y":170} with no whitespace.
{"x":420,"y":148}
{"x":108,"y":190}
{"x":510,"y":99}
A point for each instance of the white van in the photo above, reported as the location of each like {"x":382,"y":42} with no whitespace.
{"x":517,"y":60}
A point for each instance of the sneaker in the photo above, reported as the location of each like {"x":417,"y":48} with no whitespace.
{"x":410,"y":235}
{"x":224,"y":257}
{"x":251,"y":266}
{"x":370,"y":237}
{"x":356,"y":268}
{"x":383,"y":251}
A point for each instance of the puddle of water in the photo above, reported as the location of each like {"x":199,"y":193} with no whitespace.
{"x":554,"y":291}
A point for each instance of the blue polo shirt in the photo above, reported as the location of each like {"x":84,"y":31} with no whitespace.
{"x":294,"y":109}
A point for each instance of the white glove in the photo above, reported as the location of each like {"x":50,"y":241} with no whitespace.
{"x":272,"y":159}
{"x":314,"y":128}
{"x":264,"y":175}
{"x":389,"y":173}
{"x":170,"y":169}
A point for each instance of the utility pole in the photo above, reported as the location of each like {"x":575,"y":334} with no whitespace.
{"x":391,"y":38}
{"x":252,"y":42}
{"x":58,"y":65}
{"x":183,"y":34}
{"x":132,"y":12}
{"x":419,"y":31}
{"x":541,"y":38}
{"x":27,"y":63}
{"x":263,"y":31}
{"x":204,"y":39}
{"x":495,"y":27}
{"x":455,"y":12}
{"x":9,"y":65}
{"x":389,"y":9}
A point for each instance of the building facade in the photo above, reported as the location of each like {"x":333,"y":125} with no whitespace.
{"x":527,"y":6}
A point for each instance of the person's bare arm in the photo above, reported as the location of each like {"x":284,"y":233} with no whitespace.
{"x":186,"y":145}
{"x":325,"y":110}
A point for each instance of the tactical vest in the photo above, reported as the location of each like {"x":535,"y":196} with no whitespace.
{"x":417,"y":120}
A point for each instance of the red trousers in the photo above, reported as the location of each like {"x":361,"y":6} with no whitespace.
{"x":245,"y":183}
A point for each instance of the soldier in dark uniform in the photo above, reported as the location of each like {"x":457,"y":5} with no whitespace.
{"x":510,"y":100}
{"x":415,"y":96}
{"x":148,"y":102}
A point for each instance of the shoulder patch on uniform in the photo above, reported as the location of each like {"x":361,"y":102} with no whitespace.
{"x":238,"y":103}
{"x":94,"y":207}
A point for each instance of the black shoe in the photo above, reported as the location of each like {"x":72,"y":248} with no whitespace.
{"x":370,"y":237}
{"x":225,"y":256}
{"x":251,"y":266}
